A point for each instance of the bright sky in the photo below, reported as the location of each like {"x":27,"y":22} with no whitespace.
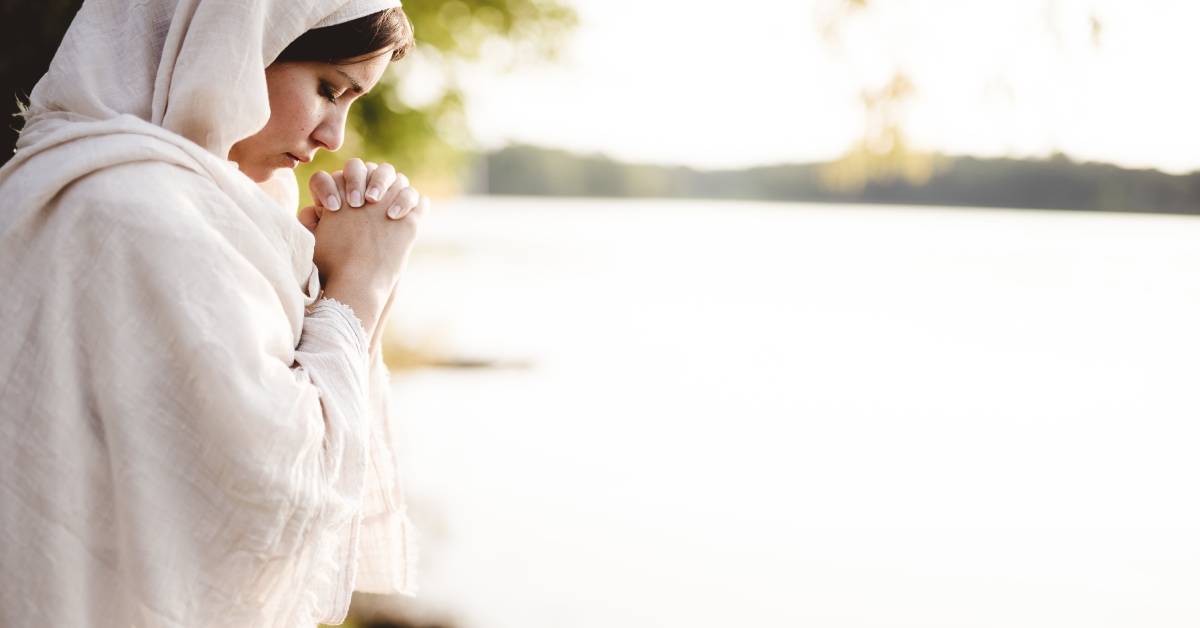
{"x":733,"y":84}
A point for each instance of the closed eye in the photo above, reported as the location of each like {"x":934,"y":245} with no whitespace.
{"x":354,"y":85}
{"x":329,"y":93}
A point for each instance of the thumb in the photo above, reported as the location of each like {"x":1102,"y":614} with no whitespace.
{"x":309,"y":217}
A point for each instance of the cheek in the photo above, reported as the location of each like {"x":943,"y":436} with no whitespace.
{"x":293,"y":119}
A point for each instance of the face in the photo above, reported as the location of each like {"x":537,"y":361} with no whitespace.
{"x":309,"y":102}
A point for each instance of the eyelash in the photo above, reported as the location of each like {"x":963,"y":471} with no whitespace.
{"x":327,"y":93}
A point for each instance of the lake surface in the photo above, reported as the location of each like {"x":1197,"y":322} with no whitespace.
{"x":766,"y":415}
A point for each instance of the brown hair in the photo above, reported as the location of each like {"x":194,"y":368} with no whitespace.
{"x":386,"y":29}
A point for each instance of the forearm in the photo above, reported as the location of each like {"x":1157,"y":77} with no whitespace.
{"x":381,"y":327}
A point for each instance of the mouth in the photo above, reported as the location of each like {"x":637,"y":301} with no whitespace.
{"x":296,"y":160}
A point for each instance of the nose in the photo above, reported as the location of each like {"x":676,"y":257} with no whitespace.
{"x":331,"y":131}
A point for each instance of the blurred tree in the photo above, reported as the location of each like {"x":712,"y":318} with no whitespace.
{"x":424,"y":135}
{"x":415,"y":118}
{"x":1055,"y":182}
{"x":884,"y":154}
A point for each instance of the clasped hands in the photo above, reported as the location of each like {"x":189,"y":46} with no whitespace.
{"x":357,"y":184}
{"x":364,"y":219}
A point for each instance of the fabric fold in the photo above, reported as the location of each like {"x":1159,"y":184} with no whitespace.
{"x":189,"y":437}
{"x":333,"y":356}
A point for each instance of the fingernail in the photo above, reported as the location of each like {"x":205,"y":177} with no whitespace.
{"x":373,"y":194}
{"x":332,"y":203}
{"x":356,"y":198}
{"x":394,"y":211}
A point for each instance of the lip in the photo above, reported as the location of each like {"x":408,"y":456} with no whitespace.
{"x":296,"y":160}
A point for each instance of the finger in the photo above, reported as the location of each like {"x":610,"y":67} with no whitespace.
{"x":310,"y":216}
{"x":371,"y":167}
{"x":401,"y":180}
{"x":380,"y":180}
{"x":421,"y":210}
{"x":391,"y":197}
{"x":406,"y":200}
{"x":356,"y":181}
{"x":324,"y":190}
{"x":339,"y":180}
{"x":417,"y":211}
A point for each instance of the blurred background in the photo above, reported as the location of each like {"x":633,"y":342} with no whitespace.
{"x":829,"y":313}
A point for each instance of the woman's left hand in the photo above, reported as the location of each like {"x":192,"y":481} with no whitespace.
{"x":354,"y":185}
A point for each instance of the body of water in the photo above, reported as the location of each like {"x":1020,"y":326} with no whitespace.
{"x":803,"y":415}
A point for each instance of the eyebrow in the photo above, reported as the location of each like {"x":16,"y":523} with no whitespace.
{"x":354,"y":85}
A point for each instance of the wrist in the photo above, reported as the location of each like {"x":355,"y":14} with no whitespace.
{"x":362,"y":280}
{"x":366,"y":304}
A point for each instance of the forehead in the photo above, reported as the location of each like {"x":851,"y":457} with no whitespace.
{"x":366,"y":71}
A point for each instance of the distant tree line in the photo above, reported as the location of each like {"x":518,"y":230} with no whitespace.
{"x":1054,"y":183}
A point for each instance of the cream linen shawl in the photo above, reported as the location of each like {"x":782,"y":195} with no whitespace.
{"x":188,"y":438}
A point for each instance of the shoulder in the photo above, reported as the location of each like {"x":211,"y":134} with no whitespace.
{"x":171,"y":241}
{"x":162,"y":226}
{"x":149,"y":196}
{"x":168,"y":224}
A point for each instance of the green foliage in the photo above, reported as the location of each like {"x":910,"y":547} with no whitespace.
{"x":460,"y":28}
{"x":429,"y":139}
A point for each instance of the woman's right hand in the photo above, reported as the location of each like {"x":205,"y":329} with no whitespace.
{"x":360,"y":251}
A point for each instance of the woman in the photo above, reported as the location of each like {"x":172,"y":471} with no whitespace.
{"x":192,"y":432}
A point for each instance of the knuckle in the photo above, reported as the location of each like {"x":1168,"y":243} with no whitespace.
{"x":395,"y":192}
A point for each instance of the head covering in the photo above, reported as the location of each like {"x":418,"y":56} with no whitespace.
{"x":182,"y":442}
{"x":192,"y":67}
{"x":355,"y":10}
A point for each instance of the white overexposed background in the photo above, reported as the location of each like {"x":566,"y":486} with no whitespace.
{"x":713,"y":84}
{"x":712,"y":414}
{"x":763,"y":414}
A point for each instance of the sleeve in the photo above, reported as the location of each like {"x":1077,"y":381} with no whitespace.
{"x":389,"y":552}
{"x":238,"y":457}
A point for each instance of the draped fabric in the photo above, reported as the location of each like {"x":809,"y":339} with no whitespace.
{"x":189,"y":436}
